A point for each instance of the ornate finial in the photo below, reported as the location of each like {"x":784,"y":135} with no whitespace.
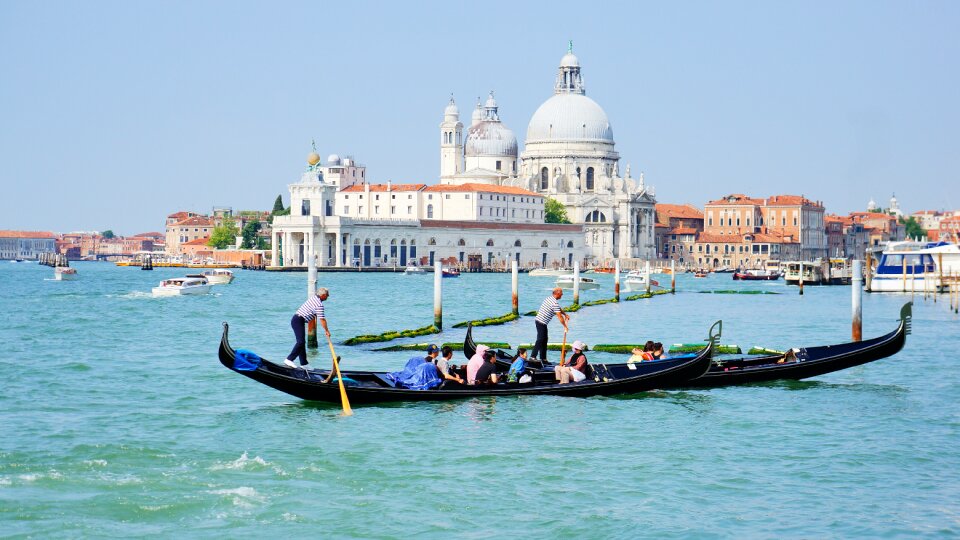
{"x":570,"y":47}
{"x":451,"y":98}
{"x":313,"y":143}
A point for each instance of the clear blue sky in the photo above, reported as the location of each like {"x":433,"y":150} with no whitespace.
{"x":115,"y":114}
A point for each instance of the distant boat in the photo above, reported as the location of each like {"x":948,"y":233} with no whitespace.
{"x":915,"y":266}
{"x":550,"y":272}
{"x":450,"y":272}
{"x":756,"y":275}
{"x":216,"y":277}
{"x":637,"y":279}
{"x":413,"y":270}
{"x":182,"y":286}
{"x":64,"y":273}
{"x":586,"y":284}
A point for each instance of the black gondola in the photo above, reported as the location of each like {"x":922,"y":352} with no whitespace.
{"x":372,"y":387}
{"x":795,"y":364}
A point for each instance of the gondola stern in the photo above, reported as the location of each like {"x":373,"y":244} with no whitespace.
{"x":226,"y":352}
{"x":906,"y":317}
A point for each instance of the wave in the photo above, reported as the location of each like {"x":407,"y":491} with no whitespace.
{"x":243,"y":496}
{"x":246,"y":463}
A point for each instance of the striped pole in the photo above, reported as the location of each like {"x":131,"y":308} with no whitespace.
{"x":801,"y":278}
{"x":616,"y":280}
{"x":438,"y":295}
{"x":515,"y":288}
{"x":576,"y":282}
{"x":869,"y":273}
{"x":857,"y":291}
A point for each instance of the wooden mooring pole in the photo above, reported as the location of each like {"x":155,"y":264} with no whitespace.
{"x":648,"y":276}
{"x":856,"y":290}
{"x":515,"y":289}
{"x":800,"y":283}
{"x":438,"y":295}
{"x":673,"y":276}
{"x":869,"y":273}
{"x":616,"y":280}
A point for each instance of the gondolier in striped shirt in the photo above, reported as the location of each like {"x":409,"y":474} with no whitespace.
{"x":548,"y":309}
{"x":311,"y":309}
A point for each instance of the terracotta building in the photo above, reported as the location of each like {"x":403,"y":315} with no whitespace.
{"x":677,"y":226}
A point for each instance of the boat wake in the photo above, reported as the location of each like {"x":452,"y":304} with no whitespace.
{"x":246,"y":463}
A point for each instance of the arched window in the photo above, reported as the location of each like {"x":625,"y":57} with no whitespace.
{"x":578,"y":173}
{"x":544,"y":178}
{"x":429,"y":211}
{"x":570,"y":244}
{"x":490,"y":242}
{"x":596,"y":217}
{"x":461,"y":242}
{"x":590,"y":178}
{"x":517,"y":243}
{"x":543,"y":244}
{"x":432,"y":242}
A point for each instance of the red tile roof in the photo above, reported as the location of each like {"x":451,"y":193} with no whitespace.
{"x":198,"y":242}
{"x":680,"y":211}
{"x":179,"y":215}
{"x":683,"y":230}
{"x":790,"y":200}
{"x":360,"y":188}
{"x":739,"y":199}
{"x":195,"y":221}
{"x":484,"y":188}
{"x":26,"y":234}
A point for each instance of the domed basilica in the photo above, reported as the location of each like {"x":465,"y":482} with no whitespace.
{"x":569,"y":155}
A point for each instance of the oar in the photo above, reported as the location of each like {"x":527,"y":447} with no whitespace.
{"x":563,"y":347}
{"x":347,"y":411}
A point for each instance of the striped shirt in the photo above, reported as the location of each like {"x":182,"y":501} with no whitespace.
{"x":311,"y":308}
{"x":548,"y":309}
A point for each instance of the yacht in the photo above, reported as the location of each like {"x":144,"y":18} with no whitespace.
{"x":586,"y":284}
{"x":182,"y":286}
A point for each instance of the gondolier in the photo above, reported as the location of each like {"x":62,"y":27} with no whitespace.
{"x":548,"y":309}
{"x":311,"y":309}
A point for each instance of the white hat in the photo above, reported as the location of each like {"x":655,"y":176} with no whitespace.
{"x":579,"y":345}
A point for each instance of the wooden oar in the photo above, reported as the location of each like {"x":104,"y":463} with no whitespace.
{"x":347,"y":411}
{"x":563,"y":347}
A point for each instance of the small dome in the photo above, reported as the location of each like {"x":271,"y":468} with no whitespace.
{"x":477,"y":116}
{"x":491,"y":103}
{"x":333,"y":159}
{"x":569,"y":117}
{"x":451,"y":109}
{"x":313,"y":158}
{"x":490,"y":138}
{"x":569,"y":60}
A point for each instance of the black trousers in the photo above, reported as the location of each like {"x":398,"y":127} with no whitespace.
{"x":541,"y":343}
{"x":300,"y":349}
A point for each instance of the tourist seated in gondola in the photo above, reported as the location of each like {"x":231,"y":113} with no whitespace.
{"x":487,"y":374}
{"x":443,"y":365}
{"x":424,"y":377}
{"x":577,"y":368}
{"x":518,"y":366}
{"x":658,"y":351}
{"x":475,"y":363}
{"x":644,"y":354}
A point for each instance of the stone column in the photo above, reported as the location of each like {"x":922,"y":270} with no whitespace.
{"x":274,"y":240}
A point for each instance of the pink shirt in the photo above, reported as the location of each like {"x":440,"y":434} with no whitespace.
{"x":474,"y":364}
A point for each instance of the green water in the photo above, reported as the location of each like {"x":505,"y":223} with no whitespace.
{"x":117,"y":420}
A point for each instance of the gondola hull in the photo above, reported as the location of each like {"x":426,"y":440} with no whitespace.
{"x":373,"y":387}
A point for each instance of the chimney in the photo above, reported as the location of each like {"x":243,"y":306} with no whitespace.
{"x":389,"y":185}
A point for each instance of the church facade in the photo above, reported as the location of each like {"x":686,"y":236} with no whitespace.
{"x":490,"y":200}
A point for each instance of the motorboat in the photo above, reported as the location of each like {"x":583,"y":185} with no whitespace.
{"x":915,"y":266}
{"x":586,"y":284}
{"x":450,"y":272}
{"x":637,"y":279}
{"x":182,"y":286}
{"x":812,"y":272}
{"x":218,"y":276}
{"x":756,"y":275}
{"x":64,"y":273}
{"x":413,"y":270}
{"x":550,"y":272}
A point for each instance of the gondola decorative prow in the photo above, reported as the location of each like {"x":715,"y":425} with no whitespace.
{"x":714,"y":338}
{"x":469,"y":347}
{"x":906,"y":315}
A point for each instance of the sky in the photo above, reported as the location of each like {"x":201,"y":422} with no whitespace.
{"x":115,"y":114}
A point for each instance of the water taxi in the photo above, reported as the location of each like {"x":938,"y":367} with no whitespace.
{"x":182,"y":286}
{"x":637,"y":279}
{"x":218,"y":276}
{"x":756,"y":275}
{"x":586,"y":284}
{"x":550,"y":272}
{"x":812,"y":272}
{"x":414,"y":270}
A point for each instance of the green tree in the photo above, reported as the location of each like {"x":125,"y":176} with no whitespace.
{"x":108,"y":234}
{"x":278,"y":204}
{"x":554,"y":212}
{"x":249,"y":234}
{"x":224,"y":235}
{"x":914,"y":230}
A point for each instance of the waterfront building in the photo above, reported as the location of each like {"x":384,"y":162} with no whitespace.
{"x":184,"y":227}
{"x":677,"y":227}
{"x":949,"y":229}
{"x":880,"y":227}
{"x":26,"y":244}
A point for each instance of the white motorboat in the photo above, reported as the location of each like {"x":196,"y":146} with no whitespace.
{"x":586,"y":284}
{"x":550,"y":272}
{"x":64,"y":273}
{"x":414,"y":270}
{"x":637,"y":279}
{"x":217,"y":276}
{"x":182,"y":286}
{"x":915,"y":266}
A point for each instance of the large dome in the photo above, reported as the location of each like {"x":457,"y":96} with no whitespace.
{"x":490,"y":138}
{"x":569,"y":117}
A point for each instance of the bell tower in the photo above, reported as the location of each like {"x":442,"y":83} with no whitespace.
{"x":451,"y":142}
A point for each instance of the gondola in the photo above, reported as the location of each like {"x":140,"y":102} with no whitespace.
{"x":373,"y":387}
{"x":794,"y":364}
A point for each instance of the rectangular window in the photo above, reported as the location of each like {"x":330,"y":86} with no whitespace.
{"x":409,"y":209}
{"x":467,"y":196}
{"x":346,"y":209}
{"x":393,"y":209}
{"x":393,"y":196}
{"x":430,"y":196}
{"x":377,"y":196}
{"x":447,"y":196}
{"x":498,"y":165}
{"x":359,"y":209}
{"x":346,"y":196}
{"x":376,"y":209}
